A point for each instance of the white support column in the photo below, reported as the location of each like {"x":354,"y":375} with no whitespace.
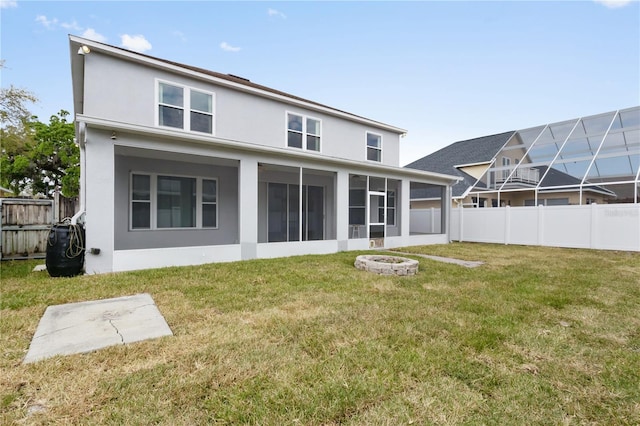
{"x":99,"y":203}
{"x":248,"y":208}
{"x":342,"y":209}
{"x":405,"y":209}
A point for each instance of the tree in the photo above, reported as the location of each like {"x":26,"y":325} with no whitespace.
{"x":46,"y":158}
{"x":36,"y":157}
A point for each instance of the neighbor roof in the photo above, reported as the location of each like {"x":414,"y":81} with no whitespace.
{"x":472,"y":151}
{"x":481,"y":151}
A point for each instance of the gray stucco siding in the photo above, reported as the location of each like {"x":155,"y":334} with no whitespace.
{"x":126,"y":92}
{"x":227,"y":231}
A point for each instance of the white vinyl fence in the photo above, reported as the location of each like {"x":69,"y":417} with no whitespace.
{"x":606,"y":227}
{"x":425,"y":221}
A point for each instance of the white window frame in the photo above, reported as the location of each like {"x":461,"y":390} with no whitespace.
{"x":186,"y":107}
{"x":153,"y":184}
{"x":304,"y":131}
{"x":392,"y":209}
{"x":367,"y":147}
{"x":506,"y":164}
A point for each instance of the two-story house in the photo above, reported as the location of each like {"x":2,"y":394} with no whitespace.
{"x":183,"y":166}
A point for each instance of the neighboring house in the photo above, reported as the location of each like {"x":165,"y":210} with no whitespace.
{"x":181,"y":165}
{"x":500,"y":170}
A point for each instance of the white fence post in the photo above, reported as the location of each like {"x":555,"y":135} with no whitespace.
{"x":460,"y":222}
{"x":541,"y":225}
{"x":507,"y":225}
{"x":593,"y":231}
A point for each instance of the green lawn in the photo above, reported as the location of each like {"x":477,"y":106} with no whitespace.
{"x":535,"y":336}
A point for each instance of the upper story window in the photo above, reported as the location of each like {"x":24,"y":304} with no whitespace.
{"x":303,"y":132}
{"x":185,"y":108}
{"x":374,"y":147}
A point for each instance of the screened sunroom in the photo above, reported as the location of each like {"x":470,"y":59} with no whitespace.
{"x":594,"y":159}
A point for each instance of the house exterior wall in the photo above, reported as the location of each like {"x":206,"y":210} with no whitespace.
{"x":116,"y":107}
{"x":125,"y":92}
{"x":476,"y":171}
{"x":227,"y":203}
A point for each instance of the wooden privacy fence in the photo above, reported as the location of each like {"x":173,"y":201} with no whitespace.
{"x":26,"y":222}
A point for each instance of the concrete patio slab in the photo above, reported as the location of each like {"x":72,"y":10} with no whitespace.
{"x":86,"y":326}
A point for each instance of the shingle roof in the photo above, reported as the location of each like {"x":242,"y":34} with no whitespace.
{"x":557,"y":178}
{"x":478,"y":150}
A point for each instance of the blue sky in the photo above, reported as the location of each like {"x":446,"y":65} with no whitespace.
{"x":445,"y":71}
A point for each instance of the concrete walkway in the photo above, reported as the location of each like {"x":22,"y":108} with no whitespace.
{"x":465,"y":263}
{"x":86,"y":326}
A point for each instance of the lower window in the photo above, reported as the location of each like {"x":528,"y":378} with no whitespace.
{"x":167,"y":202}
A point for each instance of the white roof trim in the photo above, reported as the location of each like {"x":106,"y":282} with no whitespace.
{"x":473,"y":164}
{"x":177,"y":135}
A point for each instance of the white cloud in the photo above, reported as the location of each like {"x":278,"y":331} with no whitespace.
{"x":73,"y":26}
{"x":613,"y":4}
{"x":180,"y":35}
{"x":137,"y":43}
{"x":6,"y":4}
{"x":47,"y":23}
{"x":228,"y":48}
{"x":277,"y":13}
{"x":91,"y":34}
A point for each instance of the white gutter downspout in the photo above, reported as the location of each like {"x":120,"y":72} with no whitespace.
{"x":82,"y":142}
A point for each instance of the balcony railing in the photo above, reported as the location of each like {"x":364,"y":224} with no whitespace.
{"x":529,"y":176}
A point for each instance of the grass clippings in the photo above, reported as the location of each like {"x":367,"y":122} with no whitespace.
{"x":535,"y":336}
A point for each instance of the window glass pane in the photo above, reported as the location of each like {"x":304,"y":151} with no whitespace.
{"x":209,"y":191}
{"x":172,"y":117}
{"x":357,"y":197}
{"x":176,"y":202}
{"x":391,"y":217}
{"x":356,"y":215}
{"x":201,"y":101}
{"x":373,"y":154}
{"x":294,"y":205}
{"x":313,"y":127}
{"x":391,"y":199}
{"x":141,"y":215}
{"x":171,"y":95}
{"x":313,"y":143}
{"x":277,"y":212}
{"x":201,"y":122}
{"x":141,"y":187}
{"x":295,"y":139}
{"x":630,"y":118}
{"x":377,"y":184}
{"x":373,"y":140}
{"x":209,"y":219}
{"x":294,"y":122}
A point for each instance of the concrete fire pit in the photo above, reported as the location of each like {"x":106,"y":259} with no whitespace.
{"x":386,"y":265}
